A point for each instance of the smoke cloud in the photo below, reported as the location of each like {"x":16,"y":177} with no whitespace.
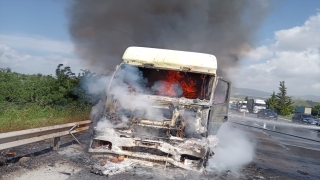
{"x":102,"y":30}
{"x":233,"y":151}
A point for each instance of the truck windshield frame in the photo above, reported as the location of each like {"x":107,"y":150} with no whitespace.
{"x":259,"y":104}
{"x":164,"y":82}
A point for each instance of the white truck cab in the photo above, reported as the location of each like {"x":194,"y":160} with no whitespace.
{"x":166,"y":102}
{"x":255,"y":105}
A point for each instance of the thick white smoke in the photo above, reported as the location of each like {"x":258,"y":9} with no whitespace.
{"x":97,"y":110}
{"x":106,"y":123}
{"x":127,"y":80}
{"x":233,"y":151}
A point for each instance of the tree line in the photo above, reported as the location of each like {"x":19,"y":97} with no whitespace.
{"x":30,"y":101}
{"x":283,"y":104}
{"x":45,"y":90}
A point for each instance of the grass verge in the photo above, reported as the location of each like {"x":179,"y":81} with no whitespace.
{"x":288,"y":117}
{"x":18,"y":117}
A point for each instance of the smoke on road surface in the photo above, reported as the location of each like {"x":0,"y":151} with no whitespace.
{"x":233,"y":151}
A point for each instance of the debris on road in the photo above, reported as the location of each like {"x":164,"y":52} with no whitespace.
{"x":103,"y":163}
{"x":11,"y":153}
{"x":115,"y":166}
{"x":24,"y":159}
{"x":303,"y":172}
{"x":120,"y":158}
{"x":66,"y":173}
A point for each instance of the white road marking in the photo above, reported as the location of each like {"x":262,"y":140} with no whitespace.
{"x":264,"y":127}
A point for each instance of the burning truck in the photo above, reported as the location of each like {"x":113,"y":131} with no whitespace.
{"x":163,"y":105}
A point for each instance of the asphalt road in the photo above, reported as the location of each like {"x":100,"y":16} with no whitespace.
{"x":291,"y":147}
{"x":277,"y":156}
{"x":281,"y":125}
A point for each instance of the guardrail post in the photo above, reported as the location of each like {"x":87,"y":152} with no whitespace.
{"x":56,"y":143}
{"x":18,"y":138}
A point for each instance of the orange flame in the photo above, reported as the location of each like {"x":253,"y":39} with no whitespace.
{"x":189,"y":90}
{"x":172,"y":79}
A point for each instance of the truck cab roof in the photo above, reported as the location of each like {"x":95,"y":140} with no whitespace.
{"x":171,"y":59}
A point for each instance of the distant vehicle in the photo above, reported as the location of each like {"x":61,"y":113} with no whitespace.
{"x":267,"y":114}
{"x":303,"y":110}
{"x":243,"y":109}
{"x":234,"y":107}
{"x":255,"y":105}
{"x":305,"y":118}
{"x":242,"y":104}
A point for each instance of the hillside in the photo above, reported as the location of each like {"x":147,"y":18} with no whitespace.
{"x":241,"y":93}
{"x":249,"y":92}
{"x":305,"y":103}
{"x":308,"y":97}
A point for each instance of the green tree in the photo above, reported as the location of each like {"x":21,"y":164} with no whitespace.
{"x":246,"y":98}
{"x":316,"y":110}
{"x":66,"y":84}
{"x":39,"y":89}
{"x":272,"y":102}
{"x":284,"y":102}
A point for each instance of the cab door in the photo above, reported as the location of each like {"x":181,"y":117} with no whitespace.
{"x":220,"y":106}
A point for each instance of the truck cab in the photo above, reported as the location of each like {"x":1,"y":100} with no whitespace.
{"x":163,"y":105}
{"x":255,"y":105}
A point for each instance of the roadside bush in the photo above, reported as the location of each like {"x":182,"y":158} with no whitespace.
{"x":28,"y":101}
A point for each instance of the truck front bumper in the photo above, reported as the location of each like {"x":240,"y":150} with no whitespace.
{"x":191,"y":153}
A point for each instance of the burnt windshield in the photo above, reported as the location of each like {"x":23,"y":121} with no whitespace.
{"x":165,"y":82}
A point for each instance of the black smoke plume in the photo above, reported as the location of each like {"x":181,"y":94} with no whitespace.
{"x":102,"y":29}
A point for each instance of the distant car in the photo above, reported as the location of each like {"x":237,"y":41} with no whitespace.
{"x":267,"y":114}
{"x":234,"y":107}
{"x":305,"y":118}
{"x":243,"y":109}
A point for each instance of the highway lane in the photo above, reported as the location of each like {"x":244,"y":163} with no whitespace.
{"x":306,"y":131}
{"x":277,"y":156}
{"x":278,"y":149}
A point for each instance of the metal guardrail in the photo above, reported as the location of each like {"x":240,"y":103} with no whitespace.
{"x":18,"y":138}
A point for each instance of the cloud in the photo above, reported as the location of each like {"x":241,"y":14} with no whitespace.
{"x":36,"y":43}
{"x":294,"y":58}
{"x":7,"y":54}
{"x":30,"y":54}
{"x":300,"y":71}
{"x":30,"y":64}
{"x":300,"y":38}
{"x":258,"y":53}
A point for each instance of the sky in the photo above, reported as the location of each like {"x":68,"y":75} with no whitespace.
{"x":34,"y":38}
